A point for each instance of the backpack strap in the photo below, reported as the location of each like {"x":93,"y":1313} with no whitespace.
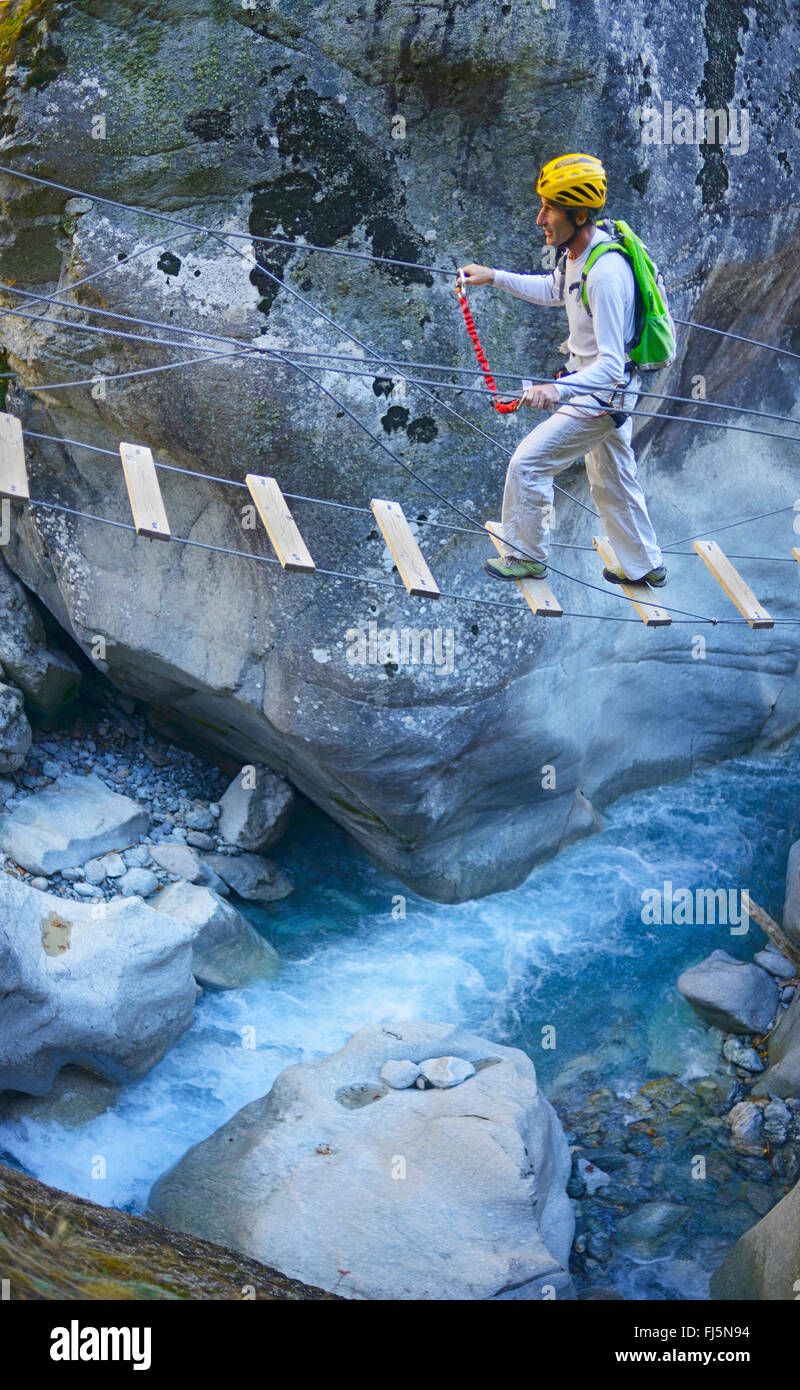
{"x":594,"y":255}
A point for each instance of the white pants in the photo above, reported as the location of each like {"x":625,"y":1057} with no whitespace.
{"x":567,"y":435}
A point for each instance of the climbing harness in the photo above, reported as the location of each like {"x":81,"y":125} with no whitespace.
{"x":503,"y":407}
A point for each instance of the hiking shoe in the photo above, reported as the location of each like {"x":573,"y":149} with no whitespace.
{"x":515,"y":569}
{"x":656,"y":578}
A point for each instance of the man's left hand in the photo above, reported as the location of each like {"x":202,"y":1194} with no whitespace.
{"x":541,"y":397}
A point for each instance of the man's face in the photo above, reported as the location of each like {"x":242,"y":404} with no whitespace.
{"x":554,"y":222}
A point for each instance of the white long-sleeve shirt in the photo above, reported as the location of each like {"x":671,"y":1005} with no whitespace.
{"x":602,"y":337}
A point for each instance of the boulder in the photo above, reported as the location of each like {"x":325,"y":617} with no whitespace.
{"x":108,"y":986}
{"x":48,"y":679}
{"x":75,"y":819}
{"x":252,"y":877}
{"x":15,"y":731}
{"x":404,"y":1194}
{"x":782,"y":1077}
{"x":255,"y":810}
{"x":227,"y":953}
{"x":791,"y":900}
{"x":764,"y":1264}
{"x":185,"y":863}
{"x":731,"y":994}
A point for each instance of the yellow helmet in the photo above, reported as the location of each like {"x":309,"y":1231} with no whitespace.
{"x":573,"y":181}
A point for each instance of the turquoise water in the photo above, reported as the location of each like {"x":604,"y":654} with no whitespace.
{"x":568,"y":949}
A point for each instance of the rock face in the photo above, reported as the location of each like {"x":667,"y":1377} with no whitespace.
{"x":107,"y":986}
{"x":730,"y":994}
{"x":48,"y":679}
{"x":15,"y":731}
{"x":255,"y":809}
{"x":763,"y":1263}
{"x":424,"y":734}
{"x":390,"y":1194}
{"x":782,"y":1078}
{"x":227,"y":953}
{"x":69,"y":823}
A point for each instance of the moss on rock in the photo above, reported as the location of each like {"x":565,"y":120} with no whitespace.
{"x":56,"y":1246}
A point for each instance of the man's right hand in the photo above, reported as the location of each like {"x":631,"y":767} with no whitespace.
{"x":478,"y":274}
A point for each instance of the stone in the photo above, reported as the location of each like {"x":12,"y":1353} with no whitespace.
{"x":137,"y":881}
{"x":399,"y":1074}
{"x":48,"y":679}
{"x":198,"y":839}
{"x":252,"y":877}
{"x":746,"y":1123}
{"x":740,"y":1056}
{"x":763,"y":1264}
{"x":777,"y":1119}
{"x":482,"y":1212}
{"x":735,"y":996}
{"x":186,"y":863}
{"x":651,"y":1229}
{"x":591,"y":1176}
{"x":776,"y":964}
{"x":254,"y":817}
{"x":105,"y":985}
{"x":199,"y":818}
{"x":75,"y":819}
{"x":15,"y":731}
{"x":88,"y":890}
{"x":227,"y":952}
{"x":782,"y":1077}
{"x":444,"y":1072}
{"x":138,"y":857}
{"x":115,"y":865}
{"x":40,"y":882}
{"x":94,"y":871}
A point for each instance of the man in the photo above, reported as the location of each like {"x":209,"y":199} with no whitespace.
{"x":595,"y":423}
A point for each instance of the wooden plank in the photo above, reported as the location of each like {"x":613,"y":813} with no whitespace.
{"x":13,"y":473}
{"x":279,"y":523}
{"x":537,"y":592}
{"x":147,"y":504}
{"x":406,"y":553}
{"x":771,"y":929}
{"x":640,"y":594}
{"x":731,"y":581}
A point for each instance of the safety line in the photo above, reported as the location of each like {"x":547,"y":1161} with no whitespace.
{"x":379,"y":583}
{"x":327,"y":250}
{"x":255,"y":349}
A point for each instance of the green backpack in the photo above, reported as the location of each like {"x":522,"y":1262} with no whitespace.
{"x":654,"y":344}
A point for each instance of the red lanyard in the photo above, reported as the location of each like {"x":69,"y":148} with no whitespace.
{"x":503,"y":407}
